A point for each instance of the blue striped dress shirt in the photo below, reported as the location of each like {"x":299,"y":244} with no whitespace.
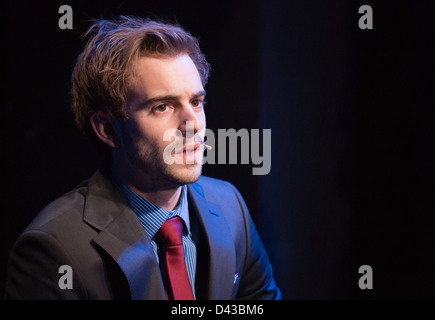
{"x":152,"y":217}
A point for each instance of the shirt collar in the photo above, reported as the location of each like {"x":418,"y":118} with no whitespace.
{"x":150,"y":215}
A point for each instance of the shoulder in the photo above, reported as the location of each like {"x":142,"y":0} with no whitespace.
{"x":67,"y":207}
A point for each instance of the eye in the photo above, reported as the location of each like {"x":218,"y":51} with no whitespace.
{"x":161,"y":108}
{"x":198,"y":103}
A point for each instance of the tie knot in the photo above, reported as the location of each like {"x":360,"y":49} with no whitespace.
{"x":171,"y":232}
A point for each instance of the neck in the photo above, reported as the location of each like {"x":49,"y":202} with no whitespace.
{"x":164,"y":197}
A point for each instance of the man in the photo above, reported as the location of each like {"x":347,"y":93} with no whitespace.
{"x":110,"y":238}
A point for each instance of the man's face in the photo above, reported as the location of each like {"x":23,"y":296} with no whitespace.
{"x":163,"y":94}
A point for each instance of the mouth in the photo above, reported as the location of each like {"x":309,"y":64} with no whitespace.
{"x":189,"y":149}
{"x":190,"y":154}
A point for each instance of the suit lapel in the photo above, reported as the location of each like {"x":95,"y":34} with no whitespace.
{"x":123,"y":238}
{"x":219,"y":247}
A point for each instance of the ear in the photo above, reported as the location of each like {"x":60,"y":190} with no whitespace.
{"x":103,"y":128}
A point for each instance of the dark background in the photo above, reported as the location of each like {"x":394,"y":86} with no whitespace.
{"x":350,"y":112}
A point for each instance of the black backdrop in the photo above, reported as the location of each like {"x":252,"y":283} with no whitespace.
{"x":349,"y":109}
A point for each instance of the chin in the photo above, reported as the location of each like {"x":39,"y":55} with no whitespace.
{"x":186,"y":174}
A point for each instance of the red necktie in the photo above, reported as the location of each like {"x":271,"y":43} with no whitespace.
{"x":177,"y":282}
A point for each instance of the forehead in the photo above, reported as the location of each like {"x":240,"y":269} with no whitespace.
{"x":154,"y":76}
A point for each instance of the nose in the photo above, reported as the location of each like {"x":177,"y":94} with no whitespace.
{"x":191,"y":120}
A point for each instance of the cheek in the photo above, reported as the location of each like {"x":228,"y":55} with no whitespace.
{"x":151,"y":134}
{"x":133,"y":132}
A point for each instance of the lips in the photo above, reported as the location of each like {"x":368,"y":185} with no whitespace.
{"x":189,"y":149}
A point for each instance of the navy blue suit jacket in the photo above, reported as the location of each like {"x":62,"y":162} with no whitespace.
{"x":93,"y":230}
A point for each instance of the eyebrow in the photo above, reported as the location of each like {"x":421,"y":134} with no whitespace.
{"x":171,"y":98}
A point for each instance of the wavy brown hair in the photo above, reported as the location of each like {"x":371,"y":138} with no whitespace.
{"x":102,"y":72}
